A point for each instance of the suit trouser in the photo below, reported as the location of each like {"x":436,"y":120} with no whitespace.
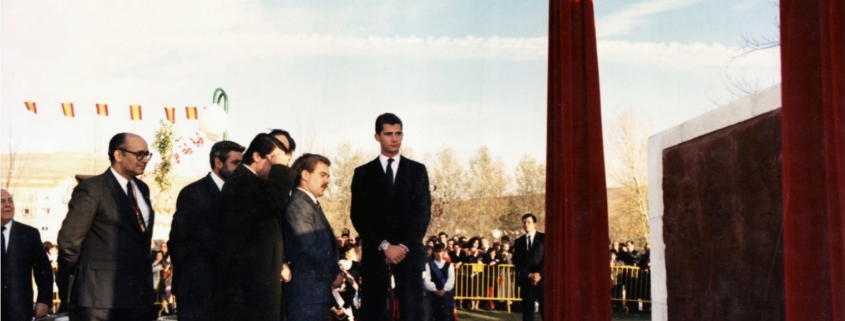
{"x":530,"y":294}
{"x":195,"y":302}
{"x":127,"y":314}
{"x":375,"y":282}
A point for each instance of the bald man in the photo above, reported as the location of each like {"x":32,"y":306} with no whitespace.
{"x":104,"y":241}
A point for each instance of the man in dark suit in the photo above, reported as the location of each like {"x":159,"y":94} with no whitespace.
{"x":193,"y":234}
{"x":249,"y":261}
{"x":104,"y":241}
{"x":310,"y":244}
{"x":23,"y":258}
{"x":530,"y":266}
{"x":391,"y":209}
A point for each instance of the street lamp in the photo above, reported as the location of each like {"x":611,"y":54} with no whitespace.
{"x":215,"y":120}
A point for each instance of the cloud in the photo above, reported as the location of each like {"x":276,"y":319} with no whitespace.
{"x":680,"y":54}
{"x":625,"y":20}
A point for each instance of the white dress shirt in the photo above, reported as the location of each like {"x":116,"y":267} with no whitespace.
{"x":217,"y":180}
{"x":6,"y":234}
{"x":394,"y":165}
{"x":139,"y":197}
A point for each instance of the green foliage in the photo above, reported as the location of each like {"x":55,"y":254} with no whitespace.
{"x":165,"y":139}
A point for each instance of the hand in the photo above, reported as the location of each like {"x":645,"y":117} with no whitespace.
{"x":286,"y":275}
{"x":338,"y":280}
{"x":41,"y":310}
{"x":394,"y":254}
{"x":440,"y":292}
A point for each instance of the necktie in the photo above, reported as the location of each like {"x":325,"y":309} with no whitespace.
{"x":131,"y":191}
{"x":390,"y":171}
{"x":529,"y":241}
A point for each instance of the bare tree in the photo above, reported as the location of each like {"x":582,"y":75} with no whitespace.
{"x":448,"y":187}
{"x":487,"y":187}
{"x":12,"y":170}
{"x":339,"y":196}
{"x":530,"y":188}
{"x":625,"y":144}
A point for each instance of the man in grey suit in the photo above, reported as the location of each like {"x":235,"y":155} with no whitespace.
{"x":310,"y":244}
{"x":104,"y":241}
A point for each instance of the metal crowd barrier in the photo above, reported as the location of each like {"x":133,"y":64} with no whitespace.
{"x":487,"y":282}
{"x":630,"y":287}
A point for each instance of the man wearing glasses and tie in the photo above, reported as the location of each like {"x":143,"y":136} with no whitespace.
{"x":105,"y":238}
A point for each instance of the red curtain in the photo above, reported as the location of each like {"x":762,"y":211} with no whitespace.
{"x":813,"y":119}
{"x":577,"y":272}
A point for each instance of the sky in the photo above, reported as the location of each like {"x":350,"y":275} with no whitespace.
{"x":460,"y":73}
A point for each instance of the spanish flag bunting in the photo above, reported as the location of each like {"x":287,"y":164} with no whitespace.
{"x":191,"y":112}
{"x":103,"y":110}
{"x":30,"y":105}
{"x":170,"y":112}
{"x":135,"y":112}
{"x":67,"y":108}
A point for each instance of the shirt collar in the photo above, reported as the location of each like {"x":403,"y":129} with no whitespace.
{"x":8,"y":226}
{"x":217,"y":180}
{"x":120,"y":179}
{"x":250,"y":169}
{"x":531,"y":235}
{"x":383,"y":160}
{"x":314,"y":199}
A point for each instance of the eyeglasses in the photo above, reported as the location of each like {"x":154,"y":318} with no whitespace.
{"x":138,"y":155}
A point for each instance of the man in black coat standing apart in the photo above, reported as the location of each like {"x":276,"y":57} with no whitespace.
{"x":23,"y":259}
{"x":530,"y":266}
{"x":310,"y":244}
{"x":104,"y":242}
{"x":249,"y":261}
{"x":193,"y":233}
{"x":391,"y":209}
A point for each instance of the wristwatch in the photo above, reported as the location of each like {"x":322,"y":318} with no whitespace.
{"x":383,"y":246}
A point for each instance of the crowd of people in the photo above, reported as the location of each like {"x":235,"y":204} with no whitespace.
{"x":630,"y":284}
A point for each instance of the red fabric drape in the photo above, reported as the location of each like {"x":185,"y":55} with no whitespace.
{"x":813,"y":119}
{"x":577,"y":270}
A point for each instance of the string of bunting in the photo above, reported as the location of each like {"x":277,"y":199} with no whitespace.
{"x":68,"y":110}
{"x":183,"y":150}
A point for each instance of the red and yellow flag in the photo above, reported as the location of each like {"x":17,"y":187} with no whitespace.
{"x":30,"y":105}
{"x":103,"y":110}
{"x":191,"y":112}
{"x":67,"y":109}
{"x":135,"y":112}
{"x":170,"y":112}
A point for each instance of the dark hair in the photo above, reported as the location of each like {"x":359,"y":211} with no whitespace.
{"x":533,"y":218}
{"x":264,"y":144}
{"x":438,"y":248}
{"x":506,"y":239}
{"x":346,"y":249}
{"x":308,"y":162}
{"x":386,"y":118}
{"x":221,"y":149}
{"x":442,"y":233}
{"x":115,"y":143}
{"x":285,"y":133}
{"x":47,"y":246}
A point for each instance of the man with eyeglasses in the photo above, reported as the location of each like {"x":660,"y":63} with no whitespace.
{"x":105,"y":238}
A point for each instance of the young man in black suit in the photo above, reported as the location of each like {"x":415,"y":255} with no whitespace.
{"x":310,"y":244}
{"x":250,"y":253}
{"x":193,"y":234}
{"x":530,"y":266}
{"x":104,"y":242}
{"x":23,"y":258}
{"x":391,"y":209}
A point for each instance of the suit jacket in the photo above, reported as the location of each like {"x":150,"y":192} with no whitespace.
{"x":103,"y":248}
{"x":398,"y":214}
{"x":27,"y":258}
{"x":193,"y":234}
{"x":528,"y":262}
{"x":250,"y":249}
{"x":311,"y":247}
